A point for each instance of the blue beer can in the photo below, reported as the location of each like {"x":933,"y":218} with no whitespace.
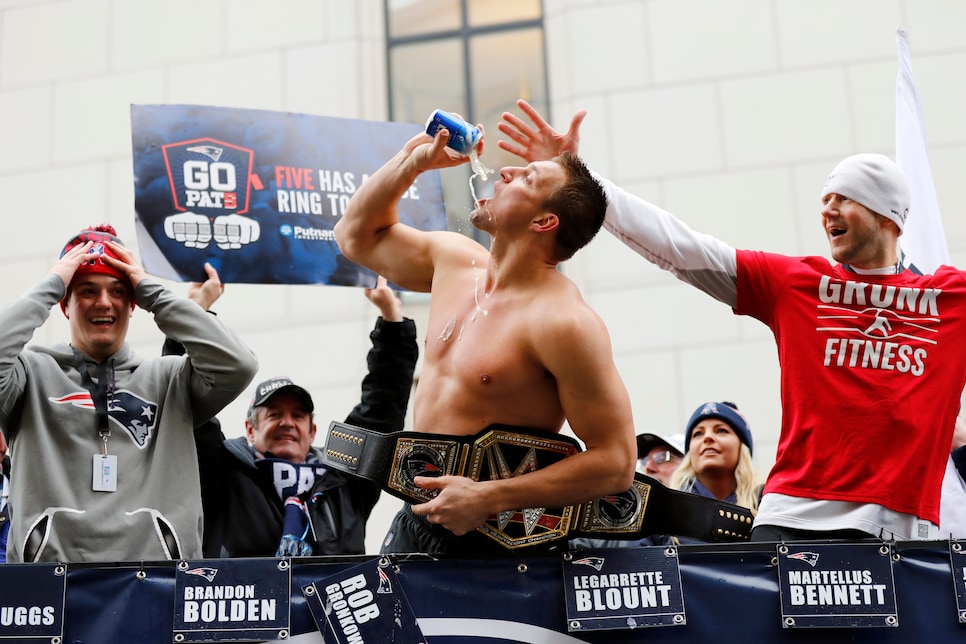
{"x":463,"y":137}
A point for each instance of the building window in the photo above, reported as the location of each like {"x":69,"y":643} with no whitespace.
{"x":472,"y":57}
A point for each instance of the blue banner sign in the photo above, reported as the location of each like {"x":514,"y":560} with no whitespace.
{"x":957,"y":562}
{"x":835,"y":585}
{"x":732,"y":596}
{"x":228,"y":600}
{"x":624,"y":588}
{"x":32,"y":602}
{"x":257,"y":193}
{"x":364,"y":603}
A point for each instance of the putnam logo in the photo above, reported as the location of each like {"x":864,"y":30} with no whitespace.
{"x":208,"y":176}
{"x":306,"y":233}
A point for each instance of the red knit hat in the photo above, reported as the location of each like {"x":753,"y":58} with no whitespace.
{"x":97,"y":234}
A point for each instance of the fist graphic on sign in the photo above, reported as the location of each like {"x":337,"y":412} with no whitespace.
{"x":197,"y":231}
{"x":188,"y":228}
{"x":235,"y":231}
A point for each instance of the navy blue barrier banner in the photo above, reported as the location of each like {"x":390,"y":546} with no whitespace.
{"x":731,"y":594}
{"x":257,"y":193}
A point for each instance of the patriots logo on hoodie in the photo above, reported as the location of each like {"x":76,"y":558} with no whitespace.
{"x":128,"y":411}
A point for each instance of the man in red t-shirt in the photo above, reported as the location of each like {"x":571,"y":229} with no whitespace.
{"x":871,"y":354}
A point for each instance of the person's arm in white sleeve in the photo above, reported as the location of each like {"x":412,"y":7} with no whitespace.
{"x":667,"y":242}
{"x":658,"y":236}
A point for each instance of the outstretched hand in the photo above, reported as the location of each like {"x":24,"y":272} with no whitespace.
{"x":538,"y":142}
{"x":206,"y":293}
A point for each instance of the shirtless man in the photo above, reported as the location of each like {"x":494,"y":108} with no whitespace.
{"x":509,"y":339}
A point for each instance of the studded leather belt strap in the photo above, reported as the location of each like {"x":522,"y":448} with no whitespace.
{"x":502,"y":451}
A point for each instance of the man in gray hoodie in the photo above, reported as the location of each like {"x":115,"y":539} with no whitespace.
{"x":106,"y":462}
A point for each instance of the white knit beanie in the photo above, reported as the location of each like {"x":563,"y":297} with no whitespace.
{"x":875,"y":181}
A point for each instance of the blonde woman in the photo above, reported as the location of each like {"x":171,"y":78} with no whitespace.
{"x":718,"y":461}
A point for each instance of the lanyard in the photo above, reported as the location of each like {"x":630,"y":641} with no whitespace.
{"x":102,"y":394}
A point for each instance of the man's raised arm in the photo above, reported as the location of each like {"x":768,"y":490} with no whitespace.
{"x":370,"y":233}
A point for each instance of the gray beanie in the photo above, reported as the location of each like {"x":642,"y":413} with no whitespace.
{"x":875,"y":181}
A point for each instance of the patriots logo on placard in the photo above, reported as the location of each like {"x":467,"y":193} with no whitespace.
{"x":209,"y":177}
{"x":207,"y":573}
{"x":385,"y":586}
{"x":213,"y":152}
{"x":811,"y":558}
{"x":131,"y":413}
{"x":594,"y":562}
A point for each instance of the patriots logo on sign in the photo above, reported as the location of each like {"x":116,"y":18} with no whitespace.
{"x":131,"y":413}
{"x":209,"y":177}
{"x":811,"y":558}
{"x":594,"y":562}
{"x":385,"y":585}
{"x":207,"y":573}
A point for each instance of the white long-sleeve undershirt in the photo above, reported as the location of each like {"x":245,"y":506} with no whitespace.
{"x":662,"y":239}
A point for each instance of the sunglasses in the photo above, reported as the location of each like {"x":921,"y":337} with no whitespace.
{"x":657,"y":459}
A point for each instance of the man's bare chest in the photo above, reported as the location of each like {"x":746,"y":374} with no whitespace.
{"x":480,"y":336}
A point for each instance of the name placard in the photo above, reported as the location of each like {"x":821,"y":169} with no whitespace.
{"x":957,"y":562}
{"x":364,"y":603}
{"x":623,"y":588}
{"x":32,"y":602}
{"x":835,"y":585}
{"x":227,"y":600}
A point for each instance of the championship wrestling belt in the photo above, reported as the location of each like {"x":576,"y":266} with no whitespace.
{"x":503,"y":451}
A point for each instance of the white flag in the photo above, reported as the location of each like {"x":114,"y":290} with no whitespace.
{"x":923,"y":240}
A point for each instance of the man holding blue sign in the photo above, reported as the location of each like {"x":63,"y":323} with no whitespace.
{"x":510,"y":341}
